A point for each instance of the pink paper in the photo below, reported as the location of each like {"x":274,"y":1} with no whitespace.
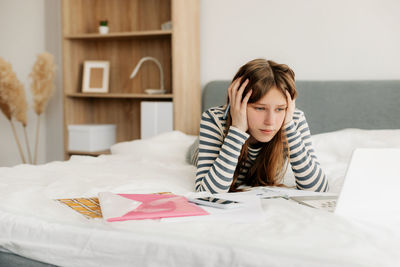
{"x":159,"y":206}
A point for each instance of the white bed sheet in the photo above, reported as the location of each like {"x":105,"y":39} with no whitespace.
{"x":35,"y":226}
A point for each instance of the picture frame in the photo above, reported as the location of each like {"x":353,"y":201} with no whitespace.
{"x":96,"y":76}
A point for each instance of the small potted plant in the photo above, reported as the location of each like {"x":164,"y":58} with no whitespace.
{"x":103,"y":28}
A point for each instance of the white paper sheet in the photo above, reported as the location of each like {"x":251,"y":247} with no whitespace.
{"x":273,"y":192}
{"x":113,"y":205}
{"x":251,"y":211}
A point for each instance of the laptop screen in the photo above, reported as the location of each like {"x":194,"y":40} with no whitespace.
{"x":371,"y":190}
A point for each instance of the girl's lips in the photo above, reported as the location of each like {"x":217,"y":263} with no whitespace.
{"x":267,"y":131}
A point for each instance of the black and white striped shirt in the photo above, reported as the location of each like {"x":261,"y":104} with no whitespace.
{"x":218,"y":156}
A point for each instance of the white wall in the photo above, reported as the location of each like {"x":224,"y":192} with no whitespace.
{"x":319,"y":39}
{"x":22,"y":38}
{"x":54,"y":112}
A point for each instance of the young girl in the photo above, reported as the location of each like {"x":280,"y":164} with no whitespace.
{"x":248,"y":141}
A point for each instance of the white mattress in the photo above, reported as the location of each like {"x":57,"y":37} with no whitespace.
{"x":35,"y":226}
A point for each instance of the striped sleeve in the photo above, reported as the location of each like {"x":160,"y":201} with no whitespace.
{"x":218,"y":157}
{"x":306,"y":168}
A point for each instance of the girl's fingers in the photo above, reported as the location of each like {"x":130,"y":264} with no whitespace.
{"x":237,"y":82}
{"x":239,"y":94}
{"x":230,"y":93}
{"x":236,"y":87}
{"x":230,"y":89}
{"x":244,"y":85}
{"x":288,"y":96}
{"x":246,"y":98}
{"x":291,"y":102}
{"x":233,"y":95}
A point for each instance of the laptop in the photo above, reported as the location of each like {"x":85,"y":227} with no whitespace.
{"x":371,"y":189}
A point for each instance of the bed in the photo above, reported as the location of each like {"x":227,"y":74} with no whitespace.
{"x":35,"y":230}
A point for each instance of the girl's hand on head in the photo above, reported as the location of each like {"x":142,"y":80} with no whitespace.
{"x":238,"y":108}
{"x":291,"y":105}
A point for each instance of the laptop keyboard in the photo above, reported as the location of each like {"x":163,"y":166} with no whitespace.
{"x":323,"y":204}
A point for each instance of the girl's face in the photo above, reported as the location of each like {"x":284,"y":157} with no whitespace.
{"x":265,"y":117}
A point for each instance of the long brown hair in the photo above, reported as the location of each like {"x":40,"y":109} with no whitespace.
{"x":268,"y":168}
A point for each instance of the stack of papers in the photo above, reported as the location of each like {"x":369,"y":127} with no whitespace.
{"x":251,"y":211}
{"x":274,"y":192}
{"x":174,"y":208}
{"x":122,"y":207}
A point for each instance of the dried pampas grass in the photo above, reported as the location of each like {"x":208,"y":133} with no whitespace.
{"x":12,"y":92}
{"x":42,"y":86}
{"x":12,"y":99}
{"x":5,"y":109}
{"x":21,"y":107}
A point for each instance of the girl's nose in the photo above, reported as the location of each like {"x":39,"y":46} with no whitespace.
{"x":269,"y":118}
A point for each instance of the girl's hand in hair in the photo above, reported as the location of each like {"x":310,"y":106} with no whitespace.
{"x":291,"y":105}
{"x":238,"y":108}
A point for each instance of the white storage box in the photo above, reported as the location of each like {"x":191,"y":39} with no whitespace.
{"x":91,"y":137}
{"x":155,"y":118}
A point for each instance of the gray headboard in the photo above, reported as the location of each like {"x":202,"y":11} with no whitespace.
{"x":335,"y":105}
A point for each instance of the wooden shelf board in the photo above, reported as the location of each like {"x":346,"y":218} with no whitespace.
{"x":95,"y":153}
{"x":114,"y":35}
{"x":121,"y":95}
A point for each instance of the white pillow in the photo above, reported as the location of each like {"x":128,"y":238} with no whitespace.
{"x":170,"y":146}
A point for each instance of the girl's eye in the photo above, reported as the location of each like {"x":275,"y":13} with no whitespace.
{"x":258,"y":108}
{"x":280,"y":109}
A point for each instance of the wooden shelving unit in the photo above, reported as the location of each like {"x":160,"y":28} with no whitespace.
{"x":135,"y":32}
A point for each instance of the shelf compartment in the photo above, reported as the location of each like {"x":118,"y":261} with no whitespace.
{"x":121,"y":35}
{"x":83,"y":16}
{"x":123,"y":56}
{"x":122,"y":95}
{"x":123,"y":112}
{"x":96,"y":153}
